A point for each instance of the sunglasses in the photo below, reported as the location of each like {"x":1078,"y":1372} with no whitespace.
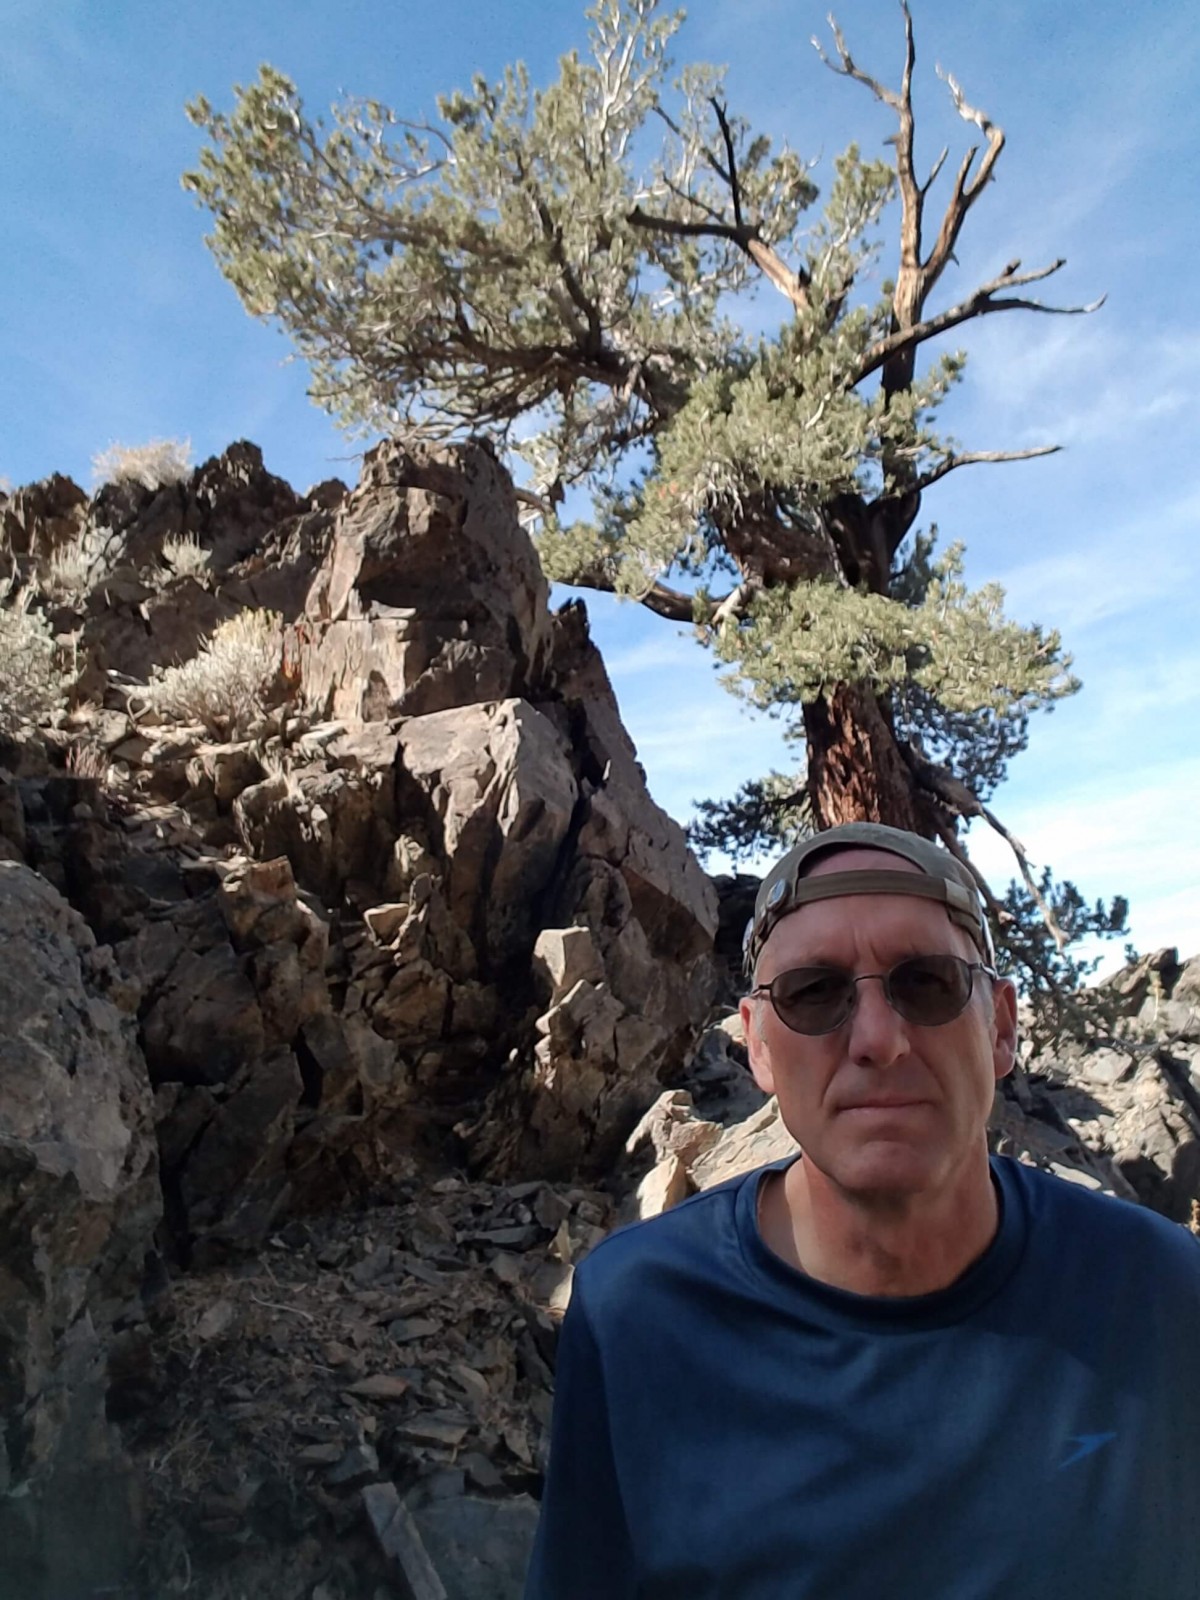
{"x":926,"y":990}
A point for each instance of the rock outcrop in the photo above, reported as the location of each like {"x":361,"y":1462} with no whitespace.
{"x":79,"y":1202}
{"x":428,"y":899}
{"x":1134,"y":1099}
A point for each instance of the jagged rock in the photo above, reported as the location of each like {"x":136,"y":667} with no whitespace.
{"x":79,"y":1202}
{"x":400,"y":1542}
{"x":41,"y":518}
{"x":563,"y":957}
{"x":498,"y":781}
{"x":407,"y":1347}
{"x":475,"y":781}
{"x":1133,"y":1101}
{"x":334,"y":824}
{"x":664,"y":1186}
{"x":232,"y":1181}
{"x":761,"y":1138}
{"x":431,"y":597}
{"x":12,"y":819}
{"x":671,"y":1127}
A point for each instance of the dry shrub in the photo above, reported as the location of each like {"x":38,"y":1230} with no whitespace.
{"x":186,"y":556}
{"x":74,"y":567}
{"x":225,"y":685}
{"x":153,"y":465}
{"x":32,"y":686}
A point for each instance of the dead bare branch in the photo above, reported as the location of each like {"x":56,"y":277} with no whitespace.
{"x":954,"y":794}
{"x":794,"y":285}
{"x":734,"y":604}
{"x":1018,"y":850}
{"x":846,"y":67}
{"x":964,"y":194}
{"x":971,"y":458}
{"x":732,"y":175}
{"x":695,"y":230}
{"x":981,"y":303}
{"x":934,"y":170}
{"x":657,"y":597}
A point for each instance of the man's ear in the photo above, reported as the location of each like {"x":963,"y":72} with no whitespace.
{"x":1004,"y":1026}
{"x":756,"y":1046}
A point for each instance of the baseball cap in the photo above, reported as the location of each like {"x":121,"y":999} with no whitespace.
{"x":944,"y":878}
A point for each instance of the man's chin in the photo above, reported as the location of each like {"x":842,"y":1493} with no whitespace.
{"x":884,"y":1168}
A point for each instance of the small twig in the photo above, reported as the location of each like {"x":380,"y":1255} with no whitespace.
{"x":274,"y":1305}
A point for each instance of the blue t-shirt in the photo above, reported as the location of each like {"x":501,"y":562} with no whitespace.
{"x":728,"y":1428}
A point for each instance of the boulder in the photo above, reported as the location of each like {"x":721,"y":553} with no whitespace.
{"x":431,"y":597}
{"x":79,"y":1203}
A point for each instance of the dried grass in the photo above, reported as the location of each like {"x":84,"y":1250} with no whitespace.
{"x":153,"y":465}
{"x":86,"y":760}
{"x":225,"y":685}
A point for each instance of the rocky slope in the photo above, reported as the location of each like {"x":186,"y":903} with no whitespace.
{"x":329,"y":1028}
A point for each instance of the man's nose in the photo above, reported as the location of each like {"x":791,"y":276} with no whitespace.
{"x":877,"y":1032}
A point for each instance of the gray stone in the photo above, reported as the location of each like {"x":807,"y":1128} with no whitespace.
{"x":79,"y":1202}
{"x":480,"y":1548}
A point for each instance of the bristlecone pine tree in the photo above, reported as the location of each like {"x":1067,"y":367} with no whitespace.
{"x":524,"y":268}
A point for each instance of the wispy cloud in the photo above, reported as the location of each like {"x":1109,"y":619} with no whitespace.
{"x":1100,"y":576}
{"x":1082,"y":382}
{"x":664,"y":652}
{"x":1135,"y":835}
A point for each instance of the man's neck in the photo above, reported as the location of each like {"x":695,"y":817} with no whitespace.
{"x":889,"y":1246}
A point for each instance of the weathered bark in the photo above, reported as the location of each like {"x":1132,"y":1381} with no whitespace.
{"x":856,"y":772}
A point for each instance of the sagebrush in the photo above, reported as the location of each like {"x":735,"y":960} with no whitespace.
{"x":153,"y":465}
{"x":186,"y":556}
{"x":32,"y":685}
{"x":225,"y":685}
{"x":75,"y":566}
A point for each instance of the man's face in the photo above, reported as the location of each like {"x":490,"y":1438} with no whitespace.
{"x":881,"y":1105}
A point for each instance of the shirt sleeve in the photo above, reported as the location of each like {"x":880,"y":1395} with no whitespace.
{"x":582,"y":1549}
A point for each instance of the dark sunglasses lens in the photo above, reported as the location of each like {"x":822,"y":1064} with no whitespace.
{"x":929,"y":990}
{"x":813,"y":999}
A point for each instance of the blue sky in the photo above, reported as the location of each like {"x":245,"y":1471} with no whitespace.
{"x":116,"y":325}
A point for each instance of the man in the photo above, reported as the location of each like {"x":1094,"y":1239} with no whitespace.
{"x":891,"y":1368}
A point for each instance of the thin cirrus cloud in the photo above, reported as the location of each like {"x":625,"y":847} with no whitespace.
{"x":1137,"y":839}
{"x":1094,"y":579}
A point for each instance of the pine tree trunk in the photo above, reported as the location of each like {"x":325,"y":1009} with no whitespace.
{"x":855,"y":770}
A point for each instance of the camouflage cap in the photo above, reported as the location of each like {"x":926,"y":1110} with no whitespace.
{"x":785,"y":888}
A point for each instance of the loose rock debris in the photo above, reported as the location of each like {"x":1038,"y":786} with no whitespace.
{"x":362,"y":1410}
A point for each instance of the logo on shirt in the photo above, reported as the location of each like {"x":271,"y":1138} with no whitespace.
{"x":1086,"y":1444}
